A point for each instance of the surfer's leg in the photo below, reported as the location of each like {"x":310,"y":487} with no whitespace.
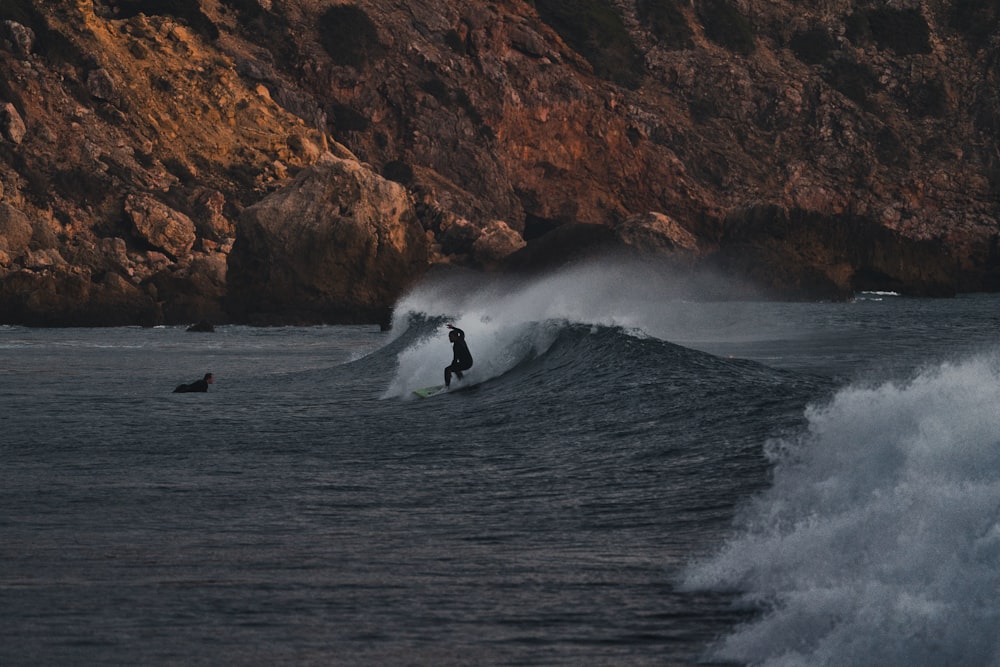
{"x":447,"y":376}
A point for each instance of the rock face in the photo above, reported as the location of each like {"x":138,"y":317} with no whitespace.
{"x":160,"y":226}
{"x":336,"y":245}
{"x":15,"y":231}
{"x":812,"y":148}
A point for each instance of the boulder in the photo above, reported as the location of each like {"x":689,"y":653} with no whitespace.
{"x":161,"y":226}
{"x":15,"y":230}
{"x":12,"y":126}
{"x":339,"y":244}
{"x":496,"y":242}
{"x":43,"y":259}
{"x":656,"y":233}
{"x":101,"y":85}
{"x":192,"y":291}
{"x":16,"y":37}
{"x":208,"y":207}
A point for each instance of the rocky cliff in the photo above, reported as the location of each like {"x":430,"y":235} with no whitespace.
{"x":306,"y":160}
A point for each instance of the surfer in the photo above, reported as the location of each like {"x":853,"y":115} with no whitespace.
{"x":196,"y":386}
{"x":461,"y":358}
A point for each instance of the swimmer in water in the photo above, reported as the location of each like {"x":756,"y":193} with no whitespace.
{"x":196,"y":386}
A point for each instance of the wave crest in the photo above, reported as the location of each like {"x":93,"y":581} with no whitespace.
{"x":879,"y":540}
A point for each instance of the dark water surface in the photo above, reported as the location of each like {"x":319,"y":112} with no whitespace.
{"x":573,"y":503}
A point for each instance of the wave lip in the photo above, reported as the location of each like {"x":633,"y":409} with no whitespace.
{"x":879,"y":541}
{"x":496,"y":349}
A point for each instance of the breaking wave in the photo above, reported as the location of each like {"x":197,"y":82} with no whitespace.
{"x":878,"y":542}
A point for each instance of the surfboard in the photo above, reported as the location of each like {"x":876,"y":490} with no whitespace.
{"x":427,"y":392}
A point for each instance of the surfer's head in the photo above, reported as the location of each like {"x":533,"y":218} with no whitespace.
{"x":452,"y":336}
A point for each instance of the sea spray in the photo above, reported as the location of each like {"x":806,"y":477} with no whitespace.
{"x":496,"y":348}
{"x":508,"y":319}
{"x":590,"y":293}
{"x":879,"y":540}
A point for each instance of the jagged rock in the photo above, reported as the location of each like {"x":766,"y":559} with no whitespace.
{"x":337,"y":244}
{"x":11,"y":124}
{"x":42,"y":259}
{"x":18,"y":38}
{"x":101,"y":85}
{"x":44,"y":235}
{"x":204,"y":326}
{"x":656,"y":233}
{"x":455,"y":235}
{"x":496,"y":242}
{"x":116,"y":250}
{"x":193,"y":291}
{"x":207,"y":208}
{"x":15,"y":230}
{"x":843,"y":110}
{"x":161,"y":226}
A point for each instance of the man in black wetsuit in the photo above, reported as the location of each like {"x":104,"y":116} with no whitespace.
{"x":461,"y":359}
{"x":196,"y":386}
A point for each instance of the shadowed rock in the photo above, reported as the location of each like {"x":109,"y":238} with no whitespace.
{"x":338,"y":244}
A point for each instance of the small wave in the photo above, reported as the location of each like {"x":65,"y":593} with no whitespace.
{"x":879,"y":540}
{"x":510,"y":320}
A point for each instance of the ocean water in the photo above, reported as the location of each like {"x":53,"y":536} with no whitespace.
{"x":629,"y":475}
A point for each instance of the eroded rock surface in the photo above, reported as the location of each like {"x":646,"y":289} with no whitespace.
{"x":809,"y":148}
{"x":338,"y":244}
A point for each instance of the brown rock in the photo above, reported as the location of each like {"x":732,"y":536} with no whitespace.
{"x":21,"y":39}
{"x":796,"y":254}
{"x":496,"y":242}
{"x":339,"y":243}
{"x":853,"y":115}
{"x":656,"y":233}
{"x":161,"y":226}
{"x":11,"y":124}
{"x":207,"y":207}
{"x":43,"y":259}
{"x":15,"y":230}
{"x":194,"y":291}
{"x":101,"y":85}
{"x":67,"y":296}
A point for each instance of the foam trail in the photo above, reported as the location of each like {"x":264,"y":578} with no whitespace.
{"x":879,"y":540}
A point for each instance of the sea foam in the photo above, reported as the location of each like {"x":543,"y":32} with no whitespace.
{"x":878,"y":542}
{"x":507,"y":319}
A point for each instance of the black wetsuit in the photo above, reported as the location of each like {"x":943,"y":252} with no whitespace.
{"x":197,"y":385}
{"x":462,"y":359}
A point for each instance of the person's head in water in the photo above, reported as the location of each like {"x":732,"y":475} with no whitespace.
{"x":200,"y":386}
